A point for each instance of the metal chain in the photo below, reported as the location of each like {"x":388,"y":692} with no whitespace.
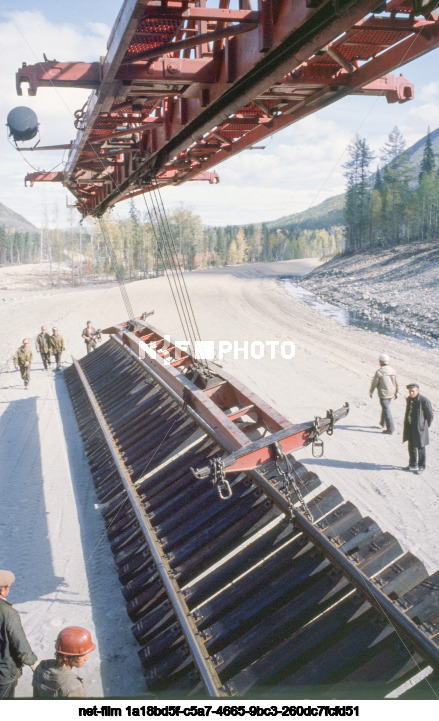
{"x":220,"y":480}
{"x":290,"y":484}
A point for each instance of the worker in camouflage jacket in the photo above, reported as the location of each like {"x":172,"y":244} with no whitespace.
{"x":15,"y":651}
{"x":57,"y":346}
{"x":43,"y":346}
{"x":23,"y":361}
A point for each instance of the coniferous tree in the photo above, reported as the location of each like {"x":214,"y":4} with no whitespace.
{"x":428,"y":161}
{"x":377,"y":211}
{"x":396,"y":176}
{"x":358,"y":196}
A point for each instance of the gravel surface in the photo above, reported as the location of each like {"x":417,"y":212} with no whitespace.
{"x":397,"y":287}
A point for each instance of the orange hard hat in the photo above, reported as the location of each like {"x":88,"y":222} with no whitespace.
{"x":74,"y":641}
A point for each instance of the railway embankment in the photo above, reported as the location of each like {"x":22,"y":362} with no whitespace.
{"x":396,"y":287}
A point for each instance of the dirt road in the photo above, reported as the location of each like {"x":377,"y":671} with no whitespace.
{"x":51,"y":534}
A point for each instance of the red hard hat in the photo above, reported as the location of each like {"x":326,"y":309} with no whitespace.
{"x":74,"y":641}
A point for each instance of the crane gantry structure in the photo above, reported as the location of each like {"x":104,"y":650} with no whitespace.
{"x":187,"y":84}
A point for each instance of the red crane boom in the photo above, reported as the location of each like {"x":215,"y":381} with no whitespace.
{"x":184,"y":86}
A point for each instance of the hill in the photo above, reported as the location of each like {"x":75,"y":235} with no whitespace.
{"x":324,"y":215}
{"x":10,"y":219}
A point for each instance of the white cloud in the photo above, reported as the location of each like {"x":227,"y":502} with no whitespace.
{"x":25,"y":36}
{"x":430,"y":92}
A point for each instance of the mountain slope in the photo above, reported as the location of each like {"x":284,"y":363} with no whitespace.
{"x":324,"y":215}
{"x":330,"y":212}
{"x":13,"y":220}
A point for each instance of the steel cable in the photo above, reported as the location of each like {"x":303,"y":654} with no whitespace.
{"x":168,"y":247}
{"x":178,"y":266}
{"x":162,"y":248}
{"x":117,"y":269}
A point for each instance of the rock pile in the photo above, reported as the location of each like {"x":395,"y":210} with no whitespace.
{"x":396,"y":287}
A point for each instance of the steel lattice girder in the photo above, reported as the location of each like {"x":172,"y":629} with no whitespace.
{"x":183,"y":87}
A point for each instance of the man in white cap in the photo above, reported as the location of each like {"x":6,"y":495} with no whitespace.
{"x":15,"y":651}
{"x":386,"y":383}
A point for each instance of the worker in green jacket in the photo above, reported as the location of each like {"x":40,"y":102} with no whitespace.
{"x":23,"y":361}
{"x":15,"y":651}
{"x":91,"y":337}
{"x":43,"y":346}
{"x":57,"y":346}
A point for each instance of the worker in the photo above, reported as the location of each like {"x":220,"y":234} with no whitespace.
{"x":417,"y":420}
{"x":57,"y":346}
{"x":23,"y":361}
{"x":15,"y":651}
{"x":55,"y":678}
{"x":43,"y":346}
{"x":386,"y":383}
{"x":89,"y":334}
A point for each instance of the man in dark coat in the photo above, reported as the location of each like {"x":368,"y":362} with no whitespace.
{"x":15,"y":651}
{"x":417,"y":420}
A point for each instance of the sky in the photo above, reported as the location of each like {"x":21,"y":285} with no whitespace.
{"x":299,"y":167}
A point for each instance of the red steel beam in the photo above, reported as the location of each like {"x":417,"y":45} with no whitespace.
{"x":51,"y":73}
{"x":221,"y":14}
{"x":39,"y":177}
{"x":88,"y":75}
{"x":192,"y":42}
{"x":283,"y":66}
{"x":398,"y":89}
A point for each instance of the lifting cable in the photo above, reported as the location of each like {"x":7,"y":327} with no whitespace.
{"x":167,"y":250}
{"x":176,"y":270}
{"x":179,"y":269}
{"x":117,"y":269}
{"x":171,"y":264}
{"x":163,"y":249}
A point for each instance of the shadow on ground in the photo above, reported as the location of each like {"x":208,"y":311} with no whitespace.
{"x":120,"y":668}
{"x":24,"y":543}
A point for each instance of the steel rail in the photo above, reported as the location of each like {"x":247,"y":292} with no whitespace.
{"x":202,"y":659}
{"x":399,"y":620}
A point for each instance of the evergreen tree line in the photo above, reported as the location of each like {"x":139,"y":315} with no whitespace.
{"x":138,"y":251}
{"x":391,"y":205}
{"x":382,"y":208}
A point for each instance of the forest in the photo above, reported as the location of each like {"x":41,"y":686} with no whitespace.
{"x":391,"y":205}
{"x":387,"y":206}
{"x":135,"y":250}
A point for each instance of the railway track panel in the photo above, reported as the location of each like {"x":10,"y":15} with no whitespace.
{"x":240,"y":597}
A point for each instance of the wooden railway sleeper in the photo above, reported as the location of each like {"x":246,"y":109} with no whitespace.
{"x":423,"y":610}
{"x":201,"y":658}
